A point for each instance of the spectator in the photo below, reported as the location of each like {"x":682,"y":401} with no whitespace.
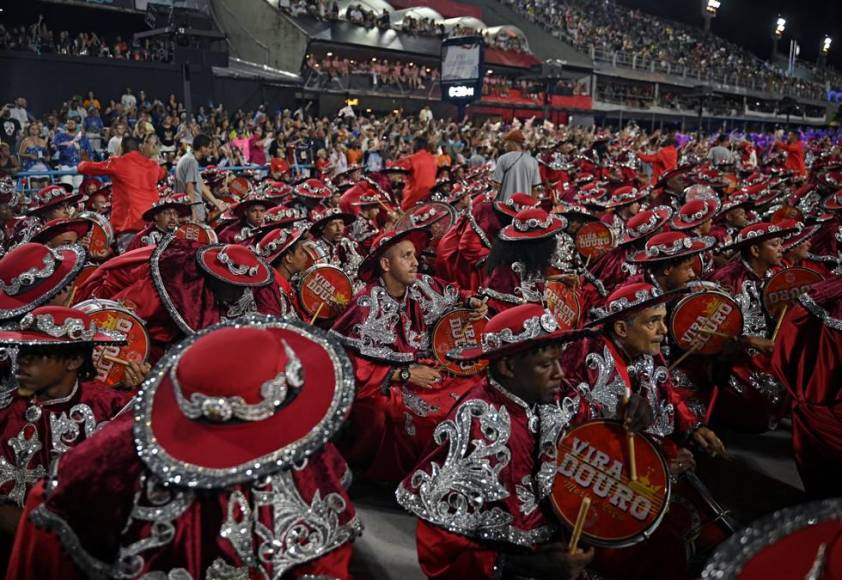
{"x":128,"y":100}
{"x":116,"y":138}
{"x":8,"y":163}
{"x":33,"y":151}
{"x":720,"y":153}
{"x":94,"y":128}
{"x":188,"y":179}
{"x":9,"y":127}
{"x":663,"y":161}
{"x":257,"y":147}
{"x":72,"y":147}
{"x":20,"y":113}
{"x":422,"y":174}
{"x":794,"y":153}
{"x":516,"y":170}
{"x":134,"y":179}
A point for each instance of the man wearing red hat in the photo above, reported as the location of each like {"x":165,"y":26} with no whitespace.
{"x":327,"y":226}
{"x":223,"y":470}
{"x":49,"y":203}
{"x":366,"y":228}
{"x":250,"y":212}
{"x":495,"y":457}
{"x":623,"y":205}
{"x":56,"y":405}
{"x":164,"y":217}
{"x":278,"y":170}
{"x":282,"y":249}
{"x":626,"y":359}
{"x":401,"y":394}
{"x":750,"y":397}
{"x":61,"y":232}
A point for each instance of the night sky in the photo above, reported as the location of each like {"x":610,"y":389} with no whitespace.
{"x":750,"y":23}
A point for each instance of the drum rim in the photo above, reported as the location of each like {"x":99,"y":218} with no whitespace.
{"x":778,"y":273}
{"x":733,"y":554}
{"x":309,"y":271}
{"x":480,"y":364}
{"x":99,"y":304}
{"x":640,"y":536}
{"x":693,"y":295}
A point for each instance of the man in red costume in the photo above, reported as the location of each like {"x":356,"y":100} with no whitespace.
{"x":250,"y":213}
{"x":222,"y":472}
{"x":664,"y":160}
{"x":808,"y":361}
{"x":794,"y":153}
{"x":401,"y":394}
{"x":164,"y":217}
{"x":328,"y":227}
{"x":422,"y":174}
{"x":282,"y":250}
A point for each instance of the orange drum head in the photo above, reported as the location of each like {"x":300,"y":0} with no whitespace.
{"x":563,"y":303}
{"x":784,"y":288}
{"x":83,"y":276}
{"x":593,"y":462}
{"x":109,"y":360}
{"x":699,"y":320}
{"x":100,"y":237}
{"x":239,"y":186}
{"x":594,"y":239}
{"x":196,"y":233}
{"x":325,"y":290}
{"x":453,"y":330}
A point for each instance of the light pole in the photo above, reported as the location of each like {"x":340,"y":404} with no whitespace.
{"x":709,"y":8}
{"x":780,"y":26}
{"x":824,"y":49}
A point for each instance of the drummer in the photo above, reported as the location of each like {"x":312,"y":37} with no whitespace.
{"x":164,"y":218}
{"x":494,"y":455}
{"x":401,"y":393}
{"x":61,"y":232}
{"x":49,"y":203}
{"x":436,"y":217}
{"x":623,"y":205}
{"x":281,"y":248}
{"x":250,"y":213}
{"x":365,"y":229}
{"x":328,"y":227}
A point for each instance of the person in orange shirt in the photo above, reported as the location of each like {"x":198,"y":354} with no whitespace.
{"x":664,"y":160}
{"x":134,"y":177}
{"x":794,"y":153}
{"x":422,"y":174}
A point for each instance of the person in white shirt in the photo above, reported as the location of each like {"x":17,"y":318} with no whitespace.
{"x":20,"y":113}
{"x":113,"y":147}
{"x":128,"y":100}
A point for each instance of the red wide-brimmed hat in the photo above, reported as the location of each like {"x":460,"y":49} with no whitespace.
{"x":90,"y":182}
{"x":424,"y":215}
{"x":319,"y":218}
{"x":758,"y":232}
{"x":626,"y":195}
{"x":276,"y":243}
{"x":593,"y":194}
{"x":457,"y":192}
{"x":177,"y":201}
{"x":699,"y":191}
{"x":279,"y":166}
{"x":58,"y":226}
{"x":104,"y":191}
{"x":234,"y":264}
{"x":736,"y":200}
{"x":32,"y":274}
{"x":313,"y":189}
{"x":515,"y":203}
{"x":532,"y":224}
{"x":523,"y":327}
{"x":58,"y":326}
{"x":801,"y":234}
{"x":278,"y":217}
{"x":630,"y":298}
{"x":646,"y":223}
{"x":566,"y":208}
{"x":252,"y":200}
{"x":671,"y":246}
{"x":761,"y":193}
{"x":278,"y":191}
{"x":241,"y":400}
{"x":368,"y":200}
{"x":51,"y":196}
{"x":694,"y":213}
{"x":351,"y":168}
{"x":833,"y":202}
{"x":368,"y":268}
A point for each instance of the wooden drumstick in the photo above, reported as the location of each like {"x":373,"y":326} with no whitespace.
{"x":587,"y":261}
{"x":318,"y":311}
{"x":680,"y":359}
{"x":632,"y":460}
{"x":715,"y":333}
{"x":115,"y":359}
{"x":580,"y":523}
{"x":780,"y":321}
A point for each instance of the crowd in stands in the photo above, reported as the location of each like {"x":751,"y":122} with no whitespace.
{"x":38,"y":38}
{"x":382,"y":74}
{"x":610,"y":28}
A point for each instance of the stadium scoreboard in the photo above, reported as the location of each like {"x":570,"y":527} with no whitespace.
{"x":462,"y":69}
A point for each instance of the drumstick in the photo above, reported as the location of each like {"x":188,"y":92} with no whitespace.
{"x":780,"y":321}
{"x":318,"y":311}
{"x":715,"y":333}
{"x":587,"y":261}
{"x":693,"y":349}
{"x":709,"y":412}
{"x":115,"y":359}
{"x":632,"y":461}
{"x":580,"y":523}
{"x":72,"y":295}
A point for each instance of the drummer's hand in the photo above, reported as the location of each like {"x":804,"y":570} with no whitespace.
{"x":220,"y":205}
{"x":636,"y":413}
{"x":135,"y":374}
{"x":479,"y":307}
{"x":708,"y":441}
{"x":761,"y":343}
{"x":682,"y":462}
{"x":549,"y":561}
{"x":424,"y":376}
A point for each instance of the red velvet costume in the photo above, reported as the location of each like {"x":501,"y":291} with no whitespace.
{"x":808,"y":361}
{"x":35,"y":435}
{"x":198,"y":526}
{"x":236,"y":233}
{"x":148,"y":236}
{"x":508,"y":286}
{"x":391,"y":422}
{"x":494,"y":456}
{"x":475,"y":244}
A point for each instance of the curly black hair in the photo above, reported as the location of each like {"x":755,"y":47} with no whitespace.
{"x":535,"y":255}
{"x":86,"y":352}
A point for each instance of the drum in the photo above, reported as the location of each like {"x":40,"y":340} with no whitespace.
{"x":803,"y":541}
{"x":325,"y":291}
{"x":594,"y":239}
{"x":110,"y":315}
{"x":593,"y":462}
{"x":100,"y":237}
{"x":196,"y":233}
{"x":711,"y":311}
{"x":316,"y":254}
{"x":785,"y":287}
{"x":453,"y":330}
{"x":696,"y":515}
{"x":563,"y":302}
{"x":240,"y":187}
{"x":82,"y":277}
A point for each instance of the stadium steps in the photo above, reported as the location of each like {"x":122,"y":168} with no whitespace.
{"x":258,"y":33}
{"x":543,"y":44}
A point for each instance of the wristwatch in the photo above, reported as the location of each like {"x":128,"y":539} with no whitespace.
{"x":404,"y":375}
